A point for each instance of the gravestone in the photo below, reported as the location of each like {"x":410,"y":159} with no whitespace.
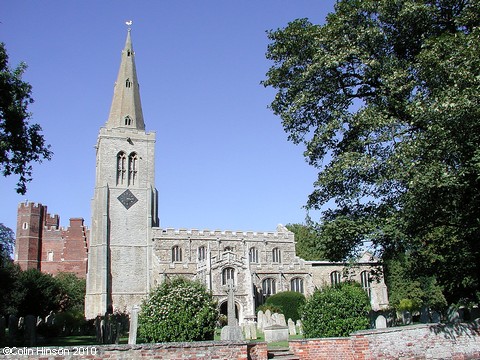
{"x":291,"y":327}
{"x":50,"y":319}
{"x":12,"y":328}
{"x":299,"y":327}
{"x":475,"y":313}
{"x":268,"y":318}
{"x":132,"y":333}
{"x":30,"y":330}
{"x":232,"y":331}
{"x":424,"y":315}
{"x":2,"y":328}
{"x":406,"y":317}
{"x":247,"y":331}
{"x":436,"y":318}
{"x":40,"y":321}
{"x":21,"y":322}
{"x":253,"y":330}
{"x":276,"y":333}
{"x":275,"y":319}
{"x":380,"y":322}
{"x":281,"y":320}
{"x":260,"y":320}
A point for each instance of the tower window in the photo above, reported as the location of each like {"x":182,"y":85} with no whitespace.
{"x":25,"y":226}
{"x":176,"y":253}
{"x":132,"y":168}
{"x":253,"y":255}
{"x":276,"y":255}
{"x":228,"y":274}
{"x":202,"y":253}
{"x":296,"y":284}
{"x":334,"y":278}
{"x":128,"y":83}
{"x":121,"y":167}
{"x":128,"y":120}
{"x":50,"y":256}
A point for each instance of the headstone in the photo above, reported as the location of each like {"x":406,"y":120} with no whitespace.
{"x":260,"y":319}
{"x":436,"y":318}
{"x":424,"y":315}
{"x":232,"y":331}
{"x":2,"y":328}
{"x":21,"y":322}
{"x":30,"y":330}
{"x":276,"y":333}
{"x":12,"y":328}
{"x":268,"y":318}
{"x":380,"y":322}
{"x":452,"y":315}
{"x":475,"y":313}
{"x":281,"y":320}
{"x":462,"y":312}
{"x":103,"y":332}
{"x":132,"y":333}
{"x":50,"y":319}
{"x":275,"y":319}
{"x":299,"y":327}
{"x":406,"y":317}
{"x":247,"y":331}
{"x":253,"y":330}
{"x":98,"y":329}
{"x":291,"y":327}
{"x":39,"y":321}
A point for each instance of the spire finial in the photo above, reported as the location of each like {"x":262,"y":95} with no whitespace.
{"x":129,"y":24}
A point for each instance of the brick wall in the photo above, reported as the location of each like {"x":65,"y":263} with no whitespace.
{"x":167,"y":351}
{"x":431,"y":341}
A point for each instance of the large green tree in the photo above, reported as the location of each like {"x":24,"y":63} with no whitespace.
{"x":385,"y":98}
{"x":21,"y":143}
{"x":7,"y":243}
{"x":308,"y":242}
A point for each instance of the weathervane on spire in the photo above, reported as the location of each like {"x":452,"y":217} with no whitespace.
{"x":129,"y":24}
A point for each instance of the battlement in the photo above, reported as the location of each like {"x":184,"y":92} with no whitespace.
{"x":281,"y":233}
{"x":29,"y":205}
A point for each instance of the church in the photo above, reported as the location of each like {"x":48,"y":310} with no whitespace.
{"x":129,"y":253}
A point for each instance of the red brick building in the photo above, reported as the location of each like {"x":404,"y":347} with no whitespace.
{"x":42,"y":244}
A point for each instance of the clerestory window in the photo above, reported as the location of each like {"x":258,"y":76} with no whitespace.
{"x":276,"y":255}
{"x":176,"y":253}
{"x":253,"y":255}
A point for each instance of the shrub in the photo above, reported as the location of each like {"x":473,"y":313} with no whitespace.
{"x":336,"y":311}
{"x":178,"y":310}
{"x":289,"y":302}
{"x":271,"y":307}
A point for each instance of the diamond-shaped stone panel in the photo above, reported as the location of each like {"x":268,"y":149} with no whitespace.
{"x":127,"y":199}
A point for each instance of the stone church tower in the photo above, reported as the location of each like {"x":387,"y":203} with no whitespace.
{"x":124,"y":205}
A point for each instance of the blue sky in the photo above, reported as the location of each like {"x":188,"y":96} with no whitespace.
{"x":222,"y":158}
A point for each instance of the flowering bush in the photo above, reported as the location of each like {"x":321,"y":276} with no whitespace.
{"x":178,"y":310}
{"x":336,"y":311}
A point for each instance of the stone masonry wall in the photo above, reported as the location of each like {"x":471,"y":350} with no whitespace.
{"x":432,"y":341}
{"x":194,"y":350}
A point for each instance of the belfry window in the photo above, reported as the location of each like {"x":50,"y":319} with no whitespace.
{"x":132,"y":168}
{"x":121,"y":167}
{"x":228,"y":274}
{"x":128,"y":83}
{"x":128,"y":120}
{"x":176,"y":253}
{"x":276,"y":255}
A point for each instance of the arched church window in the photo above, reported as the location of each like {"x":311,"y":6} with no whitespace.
{"x":335,"y":278}
{"x":228,"y":274}
{"x":296,"y":284}
{"x":202,"y":253}
{"x":128,"y":120}
{"x":132,"y":168}
{"x":128,"y":83}
{"x":121,"y":167}
{"x":176,"y":253}
{"x":276,"y":255}
{"x":253,"y":255}
{"x":365,"y":281}
{"x":269,"y":287}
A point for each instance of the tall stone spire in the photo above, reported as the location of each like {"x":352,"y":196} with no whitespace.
{"x":126,"y":109}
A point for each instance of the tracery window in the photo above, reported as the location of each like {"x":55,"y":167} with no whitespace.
{"x":269,"y":287}
{"x":296,"y":284}
{"x":132,"y":168}
{"x":365,"y":280}
{"x":335,"y":278}
{"x":202,"y":253}
{"x":176,"y":253}
{"x":276,"y":255}
{"x":121,"y":167}
{"x":227,"y":274}
{"x":253,"y":255}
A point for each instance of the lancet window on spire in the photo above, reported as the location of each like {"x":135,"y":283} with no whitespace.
{"x":121,"y":167}
{"x":132,"y":168}
{"x":128,"y":83}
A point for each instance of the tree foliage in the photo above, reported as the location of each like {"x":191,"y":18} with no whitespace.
{"x":21,"y":143}
{"x":7,"y":244}
{"x":384,"y":97}
{"x":308,"y":242}
{"x":289,"y":302}
{"x":178,"y":310}
{"x":336,"y":311}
